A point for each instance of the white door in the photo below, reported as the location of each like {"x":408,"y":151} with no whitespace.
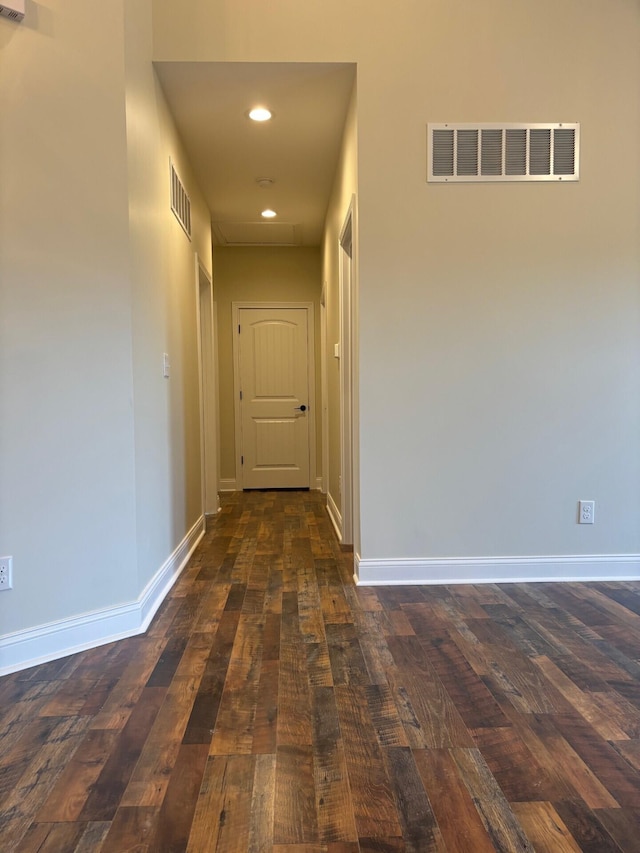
{"x":273,"y":373}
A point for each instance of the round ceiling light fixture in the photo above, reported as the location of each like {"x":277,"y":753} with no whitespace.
{"x":265,"y":183}
{"x":260,"y":114}
{"x":268,"y":213}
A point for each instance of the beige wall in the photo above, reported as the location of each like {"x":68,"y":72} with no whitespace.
{"x":163,"y":277}
{"x":499,"y":323}
{"x":67,"y":487}
{"x":271,"y":274}
{"x":99,"y":454}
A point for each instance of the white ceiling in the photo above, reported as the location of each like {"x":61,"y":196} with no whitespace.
{"x":298,"y":148}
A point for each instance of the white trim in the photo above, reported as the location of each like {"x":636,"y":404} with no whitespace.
{"x":156,"y":590}
{"x":216,"y":379}
{"x":335,"y":516}
{"x":318,"y":485}
{"x":575,"y":568}
{"x":200,"y":270}
{"x":55,"y":640}
{"x":355,"y":380}
{"x":324,"y":390}
{"x":207,"y":391}
{"x":345,"y":285}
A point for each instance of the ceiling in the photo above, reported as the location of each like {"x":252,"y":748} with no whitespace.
{"x":298,"y":149}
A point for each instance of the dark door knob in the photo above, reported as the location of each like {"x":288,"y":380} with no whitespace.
{"x":301,"y":408}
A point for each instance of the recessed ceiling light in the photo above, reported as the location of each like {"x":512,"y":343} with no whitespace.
{"x":260,"y":114}
{"x":269,"y":214}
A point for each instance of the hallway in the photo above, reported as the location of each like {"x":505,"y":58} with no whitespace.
{"x":274,"y":706}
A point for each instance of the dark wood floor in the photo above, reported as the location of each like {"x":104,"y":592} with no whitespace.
{"x":273,"y":706}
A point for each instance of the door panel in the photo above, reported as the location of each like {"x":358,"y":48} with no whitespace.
{"x":273,"y":369}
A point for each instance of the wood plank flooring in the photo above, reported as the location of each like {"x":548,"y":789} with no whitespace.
{"x":273,"y":706}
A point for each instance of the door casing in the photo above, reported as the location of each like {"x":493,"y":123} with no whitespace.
{"x":324,"y":392}
{"x":208,"y":385}
{"x":346,"y":377}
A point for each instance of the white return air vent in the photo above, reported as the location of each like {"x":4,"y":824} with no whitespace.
{"x":180,"y":201}
{"x":13,"y":10}
{"x":503,"y":152}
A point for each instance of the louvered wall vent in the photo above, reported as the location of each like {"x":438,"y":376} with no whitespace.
{"x":180,"y":201}
{"x":504,"y":152}
{"x":13,"y":10}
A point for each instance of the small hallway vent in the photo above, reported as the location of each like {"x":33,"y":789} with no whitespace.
{"x":180,"y":201}
{"x":503,"y":152}
{"x":14,"y":10}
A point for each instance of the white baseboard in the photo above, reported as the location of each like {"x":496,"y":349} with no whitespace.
{"x":54,"y":640}
{"x":357,"y":559}
{"x":156,"y":590}
{"x":597,"y":567}
{"x":335,"y":515}
{"x":318,"y":485}
{"x":218,"y":508}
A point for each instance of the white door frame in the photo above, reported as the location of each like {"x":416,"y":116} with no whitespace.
{"x":346,"y":269}
{"x":207,"y":388}
{"x":324,"y":390}
{"x":236,"y":307}
{"x":216,"y":370}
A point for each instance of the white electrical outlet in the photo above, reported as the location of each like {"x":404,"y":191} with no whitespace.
{"x":6,"y":580}
{"x":586,"y":512}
